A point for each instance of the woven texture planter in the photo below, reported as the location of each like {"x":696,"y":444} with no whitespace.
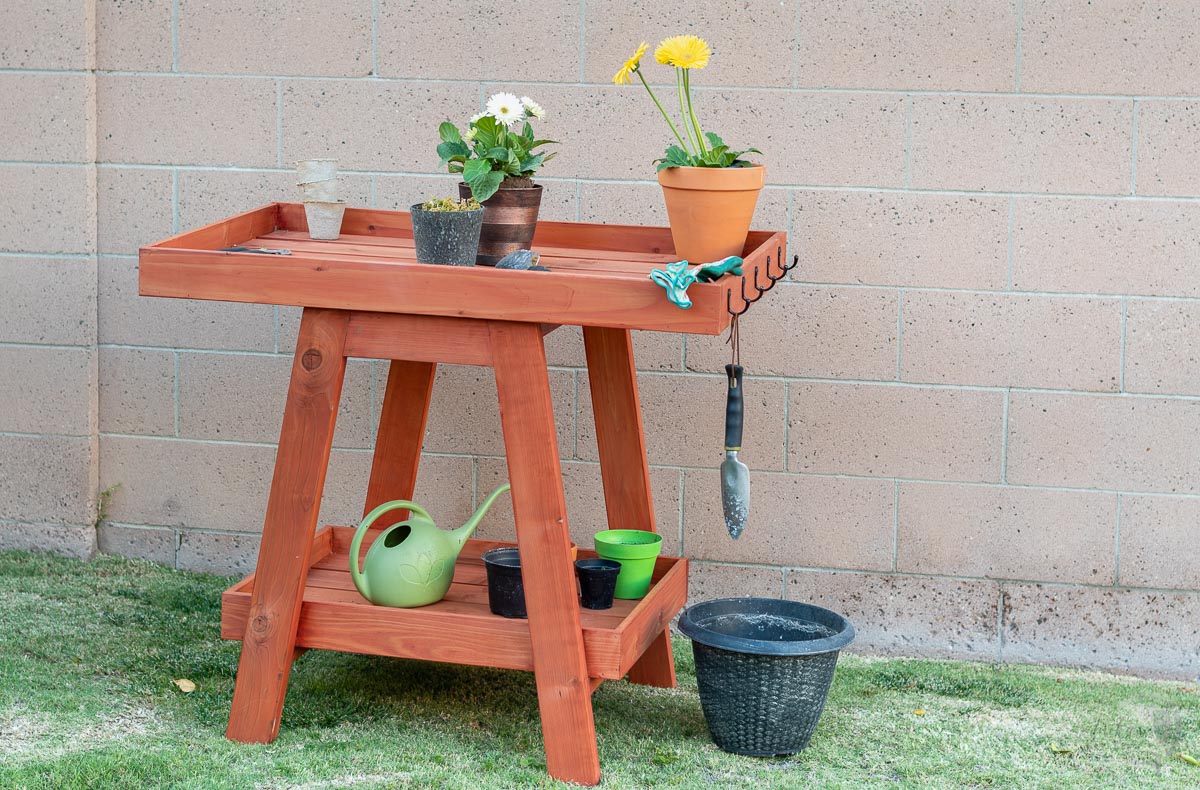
{"x":764,"y":667}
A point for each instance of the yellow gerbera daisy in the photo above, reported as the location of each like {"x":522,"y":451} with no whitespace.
{"x":684,"y":52}
{"x":625,"y":75}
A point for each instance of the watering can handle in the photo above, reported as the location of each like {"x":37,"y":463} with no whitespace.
{"x":386,"y":507}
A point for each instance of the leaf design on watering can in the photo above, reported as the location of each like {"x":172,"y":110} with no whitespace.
{"x":425,"y":567}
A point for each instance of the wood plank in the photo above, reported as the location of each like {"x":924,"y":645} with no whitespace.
{"x":531,"y":445}
{"x":398,"y":441}
{"x":398,"y":224}
{"x":619,"y":438}
{"x":487,"y":640}
{"x":623,"y":468}
{"x":403,"y":247}
{"x":228,"y":232}
{"x":474,"y":292}
{"x":288,"y":532}
{"x":570,"y":260}
{"x":411,"y":339}
{"x":643,"y":630}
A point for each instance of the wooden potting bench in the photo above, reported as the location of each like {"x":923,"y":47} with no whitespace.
{"x":365,"y":296}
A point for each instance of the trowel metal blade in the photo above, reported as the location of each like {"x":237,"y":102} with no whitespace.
{"x":735,"y":493}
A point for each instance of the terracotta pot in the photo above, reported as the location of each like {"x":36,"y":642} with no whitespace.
{"x":509,"y":219}
{"x":710,"y":208}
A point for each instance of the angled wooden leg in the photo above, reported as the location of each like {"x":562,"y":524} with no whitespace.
{"x":401,"y":434}
{"x":623,"y":466}
{"x":559,"y":662}
{"x":268,"y":644}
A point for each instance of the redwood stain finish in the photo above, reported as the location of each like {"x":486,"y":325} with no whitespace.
{"x":531,"y":444}
{"x":623,"y":467}
{"x":597,"y":277}
{"x":401,"y":434}
{"x":284,"y":554}
{"x":364,"y":296}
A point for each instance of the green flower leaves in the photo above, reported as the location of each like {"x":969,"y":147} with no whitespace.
{"x":718,"y":155}
{"x":490,"y":152}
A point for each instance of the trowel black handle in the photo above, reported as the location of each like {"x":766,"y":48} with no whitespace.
{"x":734,"y":407}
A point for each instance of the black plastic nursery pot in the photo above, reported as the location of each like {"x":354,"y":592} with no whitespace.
{"x":446,"y":237}
{"x":597,"y":582}
{"x":764,"y":667}
{"x":506,"y":592}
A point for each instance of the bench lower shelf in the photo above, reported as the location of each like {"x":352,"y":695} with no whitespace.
{"x":459,"y":629}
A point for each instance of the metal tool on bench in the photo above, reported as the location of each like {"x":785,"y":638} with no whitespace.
{"x":735,"y":477}
{"x":263,"y":250}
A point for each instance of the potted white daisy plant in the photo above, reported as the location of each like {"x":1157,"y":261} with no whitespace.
{"x":497,"y":157}
{"x":709,"y":189}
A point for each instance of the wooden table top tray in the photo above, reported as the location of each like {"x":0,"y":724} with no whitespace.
{"x":598,"y":273}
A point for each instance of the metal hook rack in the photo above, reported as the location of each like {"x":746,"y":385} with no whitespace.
{"x":749,"y":300}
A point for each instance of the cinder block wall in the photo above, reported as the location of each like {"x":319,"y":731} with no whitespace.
{"x":974,"y":412}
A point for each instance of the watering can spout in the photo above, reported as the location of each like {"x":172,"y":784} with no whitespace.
{"x":464,"y":532}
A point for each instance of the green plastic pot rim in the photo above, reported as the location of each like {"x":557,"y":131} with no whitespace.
{"x":628,"y":544}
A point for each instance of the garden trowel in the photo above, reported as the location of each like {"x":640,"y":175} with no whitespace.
{"x":735,"y":477}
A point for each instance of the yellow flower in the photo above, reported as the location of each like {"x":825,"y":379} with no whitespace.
{"x":684,"y":52}
{"x":625,"y":75}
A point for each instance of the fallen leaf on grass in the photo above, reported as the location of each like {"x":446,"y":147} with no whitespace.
{"x":185,"y":685}
{"x":919,"y":712}
{"x":1187,"y":758}
{"x":1054,"y":747}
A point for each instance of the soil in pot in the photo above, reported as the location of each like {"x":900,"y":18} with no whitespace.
{"x":764,"y":667}
{"x":509,"y":219}
{"x":710,"y":209}
{"x":446,"y":237}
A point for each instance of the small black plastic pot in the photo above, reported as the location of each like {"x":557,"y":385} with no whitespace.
{"x":764,"y":667}
{"x":597,"y":582}
{"x":446,"y":237}
{"x":506,"y":592}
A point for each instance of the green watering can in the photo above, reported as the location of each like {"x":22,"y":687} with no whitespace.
{"x":411,"y":563}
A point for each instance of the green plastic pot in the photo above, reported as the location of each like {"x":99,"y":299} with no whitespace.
{"x":636,"y":550}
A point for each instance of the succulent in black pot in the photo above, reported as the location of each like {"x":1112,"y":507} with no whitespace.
{"x":446,"y":230}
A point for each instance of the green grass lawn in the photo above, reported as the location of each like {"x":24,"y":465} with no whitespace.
{"x":88,"y":653}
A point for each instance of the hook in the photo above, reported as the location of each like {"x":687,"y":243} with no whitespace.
{"x":783,"y":270}
{"x":770,"y":284}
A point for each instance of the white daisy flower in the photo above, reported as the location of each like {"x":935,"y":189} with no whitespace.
{"x":469,"y":136}
{"x":533,"y":108}
{"x":477,"y":116}
{"x":505,"y":108}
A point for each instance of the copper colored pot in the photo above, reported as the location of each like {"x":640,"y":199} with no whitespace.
{"x":509,"y":219}
{"x":710,"y":208}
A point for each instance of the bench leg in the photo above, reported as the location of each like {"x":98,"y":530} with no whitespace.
{"x":623,"y":467}
{"x":269,"y":642}
{"x":559,"y":662}
{"x":401,"y":434}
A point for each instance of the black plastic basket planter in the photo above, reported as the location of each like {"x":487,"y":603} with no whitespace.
{"x":764,"y":667}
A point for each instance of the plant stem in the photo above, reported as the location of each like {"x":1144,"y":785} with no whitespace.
{"x":666,"y":117}
{"x":683,"y":109}
{"x":687,"y":88}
